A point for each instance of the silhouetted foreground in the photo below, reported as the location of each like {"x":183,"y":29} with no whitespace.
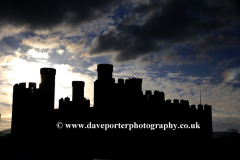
{"x":9,"y":149}
{"x":34,"y":120}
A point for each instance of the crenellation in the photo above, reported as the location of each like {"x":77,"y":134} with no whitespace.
{"x":121,"y":81}
{"x":168,"y":101}
{"x":182,"y":102}
{"x":206,"y":107}
{"x":67,"y":99}
{"x":16,"y":85}
{"x":148,"y":93}
{"x":22,"y":85}
{"x":156,"y":93}
{"x":193,"y":107}
{"x":200,"y":107}
{"x":32,"y":85}
{"x":176,"y":101}
{"x":127,"y":81}
{"x":162,"y":95}
{"x":122,"y":100}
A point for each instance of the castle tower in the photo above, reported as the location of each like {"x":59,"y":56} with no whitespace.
{"x":47,"y":87}
{"x":77,"y":91}
{"x":19,"y":101}
{"x":105,"y":71}
{"x":148,"y":93}
{"x":24,"y":109}
{"x":121,"y":81}
{"x":46,"y":99}
{"x":104,"y":86}
{"x":134,"y":87}
{"x":208,"y":121}
{"x":32,"y":85}
{"x":162,"y":96}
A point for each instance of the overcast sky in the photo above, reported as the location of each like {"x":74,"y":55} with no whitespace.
{"x":178,"y":47}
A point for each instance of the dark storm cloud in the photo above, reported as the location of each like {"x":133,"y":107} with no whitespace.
{"x":217,"y":43}
{"x":8,"y":45}
{"x":46,"y":14}
{"x":159,"y":26}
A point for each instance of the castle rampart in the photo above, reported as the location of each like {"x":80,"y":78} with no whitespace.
{"x":113,"y":102}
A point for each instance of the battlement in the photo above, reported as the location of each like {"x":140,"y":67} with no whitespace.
{"x":32,"y":85}
{"x":67,"y":99}
{"x":193,"y":107}
{"x":122,"y":102}
{"x":19,"y":86}
{"x":184,"y":102}
{"x":130,"y":81}
{"x":133,"y":81}
{"x":200,"y":107}
{"x":168,"y":101}
{"x":176,"y":101}
{"x":156,"y":93}
{"x":148,"y":92}
{"x":121,"y":81}
{"x":207,"y":107}
{"x":22,"y":85}
{"x":157,"y":96}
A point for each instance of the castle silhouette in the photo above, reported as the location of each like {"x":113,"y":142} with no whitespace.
{"x":34,"y":118}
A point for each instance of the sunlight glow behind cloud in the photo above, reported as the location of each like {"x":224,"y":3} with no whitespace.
{"x":36,"y":54}
{"x":20,"y":70}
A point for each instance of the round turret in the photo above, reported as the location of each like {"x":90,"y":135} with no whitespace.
{"x":105,"y":71}
{"x":48,"y":71}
